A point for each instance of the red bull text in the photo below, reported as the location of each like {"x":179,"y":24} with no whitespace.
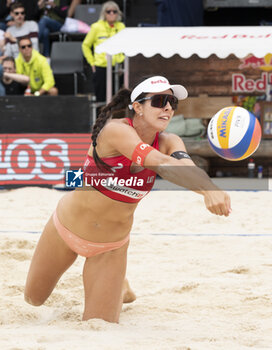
{"x":241,"y":84}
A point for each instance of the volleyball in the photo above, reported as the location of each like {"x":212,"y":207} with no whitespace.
{"x":234,"y":133}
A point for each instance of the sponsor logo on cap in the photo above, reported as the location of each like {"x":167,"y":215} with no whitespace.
{"x":159,"y":81}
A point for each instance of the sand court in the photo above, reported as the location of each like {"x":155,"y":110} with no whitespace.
{"x":202,"y":282}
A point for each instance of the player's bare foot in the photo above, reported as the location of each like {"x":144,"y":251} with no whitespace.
{"x":128,"y":294}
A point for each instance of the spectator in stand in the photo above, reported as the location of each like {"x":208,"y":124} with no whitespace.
{"x":31,"y":8}
{"x":54,"y":14}
{"x":2,"y":89}
{"x":31,"y":63}
{"x":14,"y":83}
{"x":21,"y":28}
{"x":108,"y":25}
{"x":4,"y":13}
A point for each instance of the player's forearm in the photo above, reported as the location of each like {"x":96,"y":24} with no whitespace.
{"x":187,"y":176}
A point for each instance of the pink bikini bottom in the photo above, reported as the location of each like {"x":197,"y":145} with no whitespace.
{"x":83,"y":247}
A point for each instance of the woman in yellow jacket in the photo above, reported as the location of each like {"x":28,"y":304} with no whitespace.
{"x":108,"y":25}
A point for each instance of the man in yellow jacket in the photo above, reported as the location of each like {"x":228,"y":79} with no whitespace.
{"x":31,"y":63}
{"x":108,"y":25}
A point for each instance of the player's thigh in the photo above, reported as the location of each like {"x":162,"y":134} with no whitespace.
{"x":51,"y":258}
{"x":103,"y":278}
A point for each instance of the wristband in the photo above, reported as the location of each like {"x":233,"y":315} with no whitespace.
{"x":180,"y":155}
{"x":140,"y":152}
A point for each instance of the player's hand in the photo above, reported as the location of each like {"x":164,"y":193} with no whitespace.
{"x":10,"y":37}
{"x":217,"y":202}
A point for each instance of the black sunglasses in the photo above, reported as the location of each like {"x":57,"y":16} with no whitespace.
{"x":113,"y":11}
{"x":160,"y":101}
{"x":25,"y":46}
{"x":19,"y":13}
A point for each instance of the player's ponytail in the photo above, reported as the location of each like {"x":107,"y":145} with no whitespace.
{"x":117,"y":108}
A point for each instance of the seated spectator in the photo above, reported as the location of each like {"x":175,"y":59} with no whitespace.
{"x":31,"y":63}
{"x":2,"y":89}
{"x":31,"y":8}
{"x":14,"y":83}
{"x":54,"y":14}
{"x":21,"y":28}
{"x":4,"y":13}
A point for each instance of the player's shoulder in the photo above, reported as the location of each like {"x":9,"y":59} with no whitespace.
{"x":117,"y":126}
{"x":168,"y":137}
{"x":170,"y":141}
{"x":119,"y":122}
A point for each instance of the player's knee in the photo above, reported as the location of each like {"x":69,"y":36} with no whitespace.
{"x":32,"y":300}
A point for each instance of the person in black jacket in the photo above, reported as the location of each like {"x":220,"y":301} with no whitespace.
{"x":4,"y":13}
{"x":54,"y":14}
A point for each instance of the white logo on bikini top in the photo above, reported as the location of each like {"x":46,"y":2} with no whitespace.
{"x":118,"y":166}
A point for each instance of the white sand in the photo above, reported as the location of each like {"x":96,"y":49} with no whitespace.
{"x":202,"y":282}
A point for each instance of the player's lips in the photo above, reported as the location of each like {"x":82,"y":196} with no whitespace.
{"x":164,"y":117}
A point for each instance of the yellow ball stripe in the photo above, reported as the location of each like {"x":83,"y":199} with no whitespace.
{"x":223,"y":126}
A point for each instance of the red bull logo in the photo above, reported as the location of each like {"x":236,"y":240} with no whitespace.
{"x":263,"y":63}
{"x":251,"y":61}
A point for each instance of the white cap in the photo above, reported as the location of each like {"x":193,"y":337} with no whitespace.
{"x":158,"y":84}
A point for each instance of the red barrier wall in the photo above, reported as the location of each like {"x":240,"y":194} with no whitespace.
{"x":42,"y":158}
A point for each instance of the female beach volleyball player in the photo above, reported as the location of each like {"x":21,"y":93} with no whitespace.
{"x":96,"y":223}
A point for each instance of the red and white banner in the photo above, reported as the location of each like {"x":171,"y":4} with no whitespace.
{"x":187,"y":41}
{"x":33,"y":159}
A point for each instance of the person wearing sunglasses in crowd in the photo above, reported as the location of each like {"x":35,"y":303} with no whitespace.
{"x":120,"y":169}
{"x":19,"y":29}
{"x":33,"y":64}
{"x":108,"y":25}
{"x":31,"y":9}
